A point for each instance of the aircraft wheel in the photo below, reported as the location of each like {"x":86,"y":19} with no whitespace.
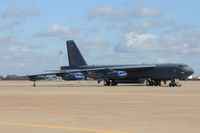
{"x":172,"y":85}
{"x":113,"y":83}
{"x":106,"y":83}
{"x":157,"y":83}
{"x":178,"y":85}
{"x":34,"y":85}
{"x":149,"y":83}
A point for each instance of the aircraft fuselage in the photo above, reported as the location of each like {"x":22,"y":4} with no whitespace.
{"x":159,"y":72}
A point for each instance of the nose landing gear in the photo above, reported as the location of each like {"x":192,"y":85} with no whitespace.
{"x":175,"y":83}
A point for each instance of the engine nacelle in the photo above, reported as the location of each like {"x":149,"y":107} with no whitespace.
{"x":121,"y":74}
{"x":73,"y":76}
{"x":116,"y":74}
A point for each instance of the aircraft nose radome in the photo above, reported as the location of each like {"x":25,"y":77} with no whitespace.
{"x":190,"y":71}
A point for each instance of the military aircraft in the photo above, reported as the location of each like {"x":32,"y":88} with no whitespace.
{"x":111,"y":75}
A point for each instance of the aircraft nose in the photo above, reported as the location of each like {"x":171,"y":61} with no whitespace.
{"x":189,"y":71}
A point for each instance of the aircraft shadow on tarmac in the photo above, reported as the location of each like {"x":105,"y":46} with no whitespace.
{"x":92,"y":85}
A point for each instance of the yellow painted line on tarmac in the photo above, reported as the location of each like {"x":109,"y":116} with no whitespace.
{"x":59,"y":127}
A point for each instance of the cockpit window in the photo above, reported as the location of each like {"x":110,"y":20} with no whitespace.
{"x":182,"y":66}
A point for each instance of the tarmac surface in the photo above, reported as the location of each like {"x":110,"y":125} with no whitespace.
{"x":86,"y":107}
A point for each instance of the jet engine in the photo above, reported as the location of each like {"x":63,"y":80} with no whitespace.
{"x":73,"y":76}
{"x":116,"y":74}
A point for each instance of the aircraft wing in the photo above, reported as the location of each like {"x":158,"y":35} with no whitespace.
{"x":42,"y":76}
{"x":126,"y":67}
{"x":100,"y":69}
{"x":133,"y":67}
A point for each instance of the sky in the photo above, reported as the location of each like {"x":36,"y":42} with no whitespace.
{"x":107,"y":32}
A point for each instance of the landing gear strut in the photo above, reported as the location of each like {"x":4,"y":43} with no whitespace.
{"x":34,"y":84}
{"x":174,"y":83}
{"x":108,"y":83}
{"x":114,"y":83}
{"x":157,"y":82}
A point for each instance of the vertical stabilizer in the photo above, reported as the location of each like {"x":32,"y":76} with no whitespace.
{"x":74,"y":56}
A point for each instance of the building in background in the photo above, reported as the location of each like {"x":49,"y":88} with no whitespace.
{"x":190,"y":77}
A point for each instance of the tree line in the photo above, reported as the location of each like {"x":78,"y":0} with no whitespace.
{"x":12,"y":77}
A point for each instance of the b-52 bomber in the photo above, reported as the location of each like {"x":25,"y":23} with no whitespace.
{"x":111,"y":75}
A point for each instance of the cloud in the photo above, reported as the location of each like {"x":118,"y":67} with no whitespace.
{"x":93,"y":48}
{"x":14,"y":12}
{"x":4,"y":27}
{"x":4,"y":40}
{"x":181,"y":28}
{"x":8,"y":26}
{"x":96,"y":43}
{"x":111,"y":27}
{"x":141,"y":27}
{"x":36,"y":45}
{"x":161,"y":60}
{"x":108,"y":13}
{"x":104,"y":12}
{"x":21,"y":61}
{"x":146,"y":12}
{"x":62,"y":32}
{"x":146,"y":26}
{"x":174,"y":43}
{"x":137,"y":42}
{"x":93,"y":30}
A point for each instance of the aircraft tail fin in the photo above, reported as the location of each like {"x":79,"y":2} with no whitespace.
{"x":74,"y":55}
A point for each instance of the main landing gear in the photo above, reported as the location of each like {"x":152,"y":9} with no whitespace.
{"x":174,"y":83}
{"x":110,"y":83}
{"x":153,"y":83}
